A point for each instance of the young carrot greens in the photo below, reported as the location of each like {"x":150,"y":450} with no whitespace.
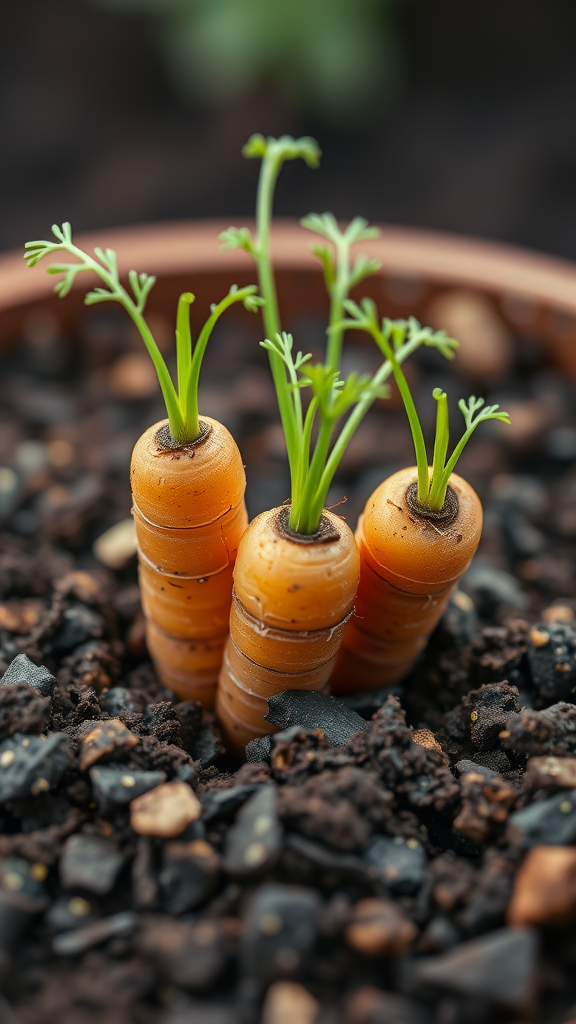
{"x":313,"y":463}
{"x":432,"y":481}
{"x":181,"y":402}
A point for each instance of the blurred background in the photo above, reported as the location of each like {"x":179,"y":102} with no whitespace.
{"x":450,"y":115}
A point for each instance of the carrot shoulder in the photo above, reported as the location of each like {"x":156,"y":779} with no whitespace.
{"x":293,"y":595}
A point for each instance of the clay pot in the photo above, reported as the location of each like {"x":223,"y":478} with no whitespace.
{"x":435,"y":277}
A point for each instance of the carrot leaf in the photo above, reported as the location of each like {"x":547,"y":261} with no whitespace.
{"x":181,"y":403}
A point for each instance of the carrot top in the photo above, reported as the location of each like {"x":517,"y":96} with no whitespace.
{"x":390,"y":337}
{"x":181,"y":401}
{"x":314,"y":445}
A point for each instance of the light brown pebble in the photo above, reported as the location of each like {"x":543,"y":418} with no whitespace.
{"x":378,"y":927}
{"x":558,"y":613}
{"x":551,"y":772}
{"x":288,"y":1003}
{"x":539,"y":637}
{"x":545,"y":888}
{"x":425,"y":738}
{"x":111,"y":737}
{"x":133,"y":376}
{"x":485,"y":347}
{"x":116,"y":546}
{"x":165,"y":811}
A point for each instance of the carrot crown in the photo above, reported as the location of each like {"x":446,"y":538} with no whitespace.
{"x":181,"y":401}
{"x":314,"y":446}
{"x":432,"y":480}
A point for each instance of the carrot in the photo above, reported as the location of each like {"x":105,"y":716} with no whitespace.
{"x":417,"y":536}
{"x":297,"y":569}
{"x":188,"y":486}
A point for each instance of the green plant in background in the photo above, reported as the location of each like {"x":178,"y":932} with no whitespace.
{"x":336,"y":58}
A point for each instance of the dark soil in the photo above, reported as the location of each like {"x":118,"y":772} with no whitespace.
{"x":390,"y":875}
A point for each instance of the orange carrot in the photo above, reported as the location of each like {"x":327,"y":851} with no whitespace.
{"x":416,"y":538}
{"x":188,"y":487}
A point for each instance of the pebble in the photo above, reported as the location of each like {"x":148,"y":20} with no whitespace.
{"x":551,"y":821}
{"x":73,"y":943}
{"x":208,"y":746}
{"x":223,"y":803}
{"x":68,"y":912}
{"x":30,"y":765}
{"x":21,"y":616}
{"x":425,"y":738}
{"x":90,"y":862}
{"x":279,"y":931}
{"x":106,"y":739}
{"x":485,"y":349}
{"x":399,"y":863}
{"x":132,"y":376}
{"x":491,"y":588}
{"x":558,"y":613}
{"x":80,"y":624}
{"x":114,"y":785}
{"x":551,"y":772}
{"x":116,"y":546}
{"x":313,"y":710}
{"x":379,"y":927}
{"x":552,"y":659}
{"x":287,"y":1002}
{"x":499,"y":968}
{"x":22,"y":670}
{"x":190,"y":955}
{"x":189,"y":875}
{"x":118,"y":701}
{"x":165,"y":811}
{"x":259,"y":749}
{"x":254,"y":842}
{"x":544,"y":888}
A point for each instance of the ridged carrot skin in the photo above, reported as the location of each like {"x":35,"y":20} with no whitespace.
{"x":292,"y":599}
{"x":409,"y":566}
{"x":189,"y":511}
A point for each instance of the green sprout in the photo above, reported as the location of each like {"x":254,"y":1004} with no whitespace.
{"x":432,"y":481}
{"x":181,"y":402}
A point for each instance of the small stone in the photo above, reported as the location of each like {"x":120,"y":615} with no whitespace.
{"x":379,"y":927}
{"x":165,"y":811}
{"x":259,"y":749}
{"x":22,"y":670}
{"x":558,"y":613}
{"x":208,"y":746}
{"x":313,"y":710}
{"x":254,"y":842}
{"x":279,"y":931}
{"x":38,"y":763}
{"x":485,"y":346}
{"x":20,"y":616}
{"x":191,"y":956}
{"x":551,"y":822}
{"x":551,"y":772}
{"x":189,"y":875}
{"x":79,"y":625}
{"x":108,"y":738}
{"x":90,"y":862}
{"x":425,"y":738}
{"x":68,"y":913}
{"x":500,"y":967}
{"x":552,"y":661}
{"x":287,"y":1002}
{"x":113,"y":785}
{"x":545,"y":888}
{"x":119,"y":701}
{"x":75,"y":942}
{"x":223,"y":803}
{"x":486,"y":804}
{"x":117,"y":546}
{"x":19,"y":876}
{"x":397,"y":862}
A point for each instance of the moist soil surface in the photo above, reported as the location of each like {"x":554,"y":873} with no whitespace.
{"x":406,"y":857}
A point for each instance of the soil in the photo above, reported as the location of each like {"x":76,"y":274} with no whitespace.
{"x":405,"y":858}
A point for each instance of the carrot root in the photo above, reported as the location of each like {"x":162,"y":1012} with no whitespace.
{"x":408,"y":569}
{"x":189,"y":514}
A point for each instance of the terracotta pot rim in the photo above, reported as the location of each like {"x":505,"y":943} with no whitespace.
{"x":181,"y":247}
